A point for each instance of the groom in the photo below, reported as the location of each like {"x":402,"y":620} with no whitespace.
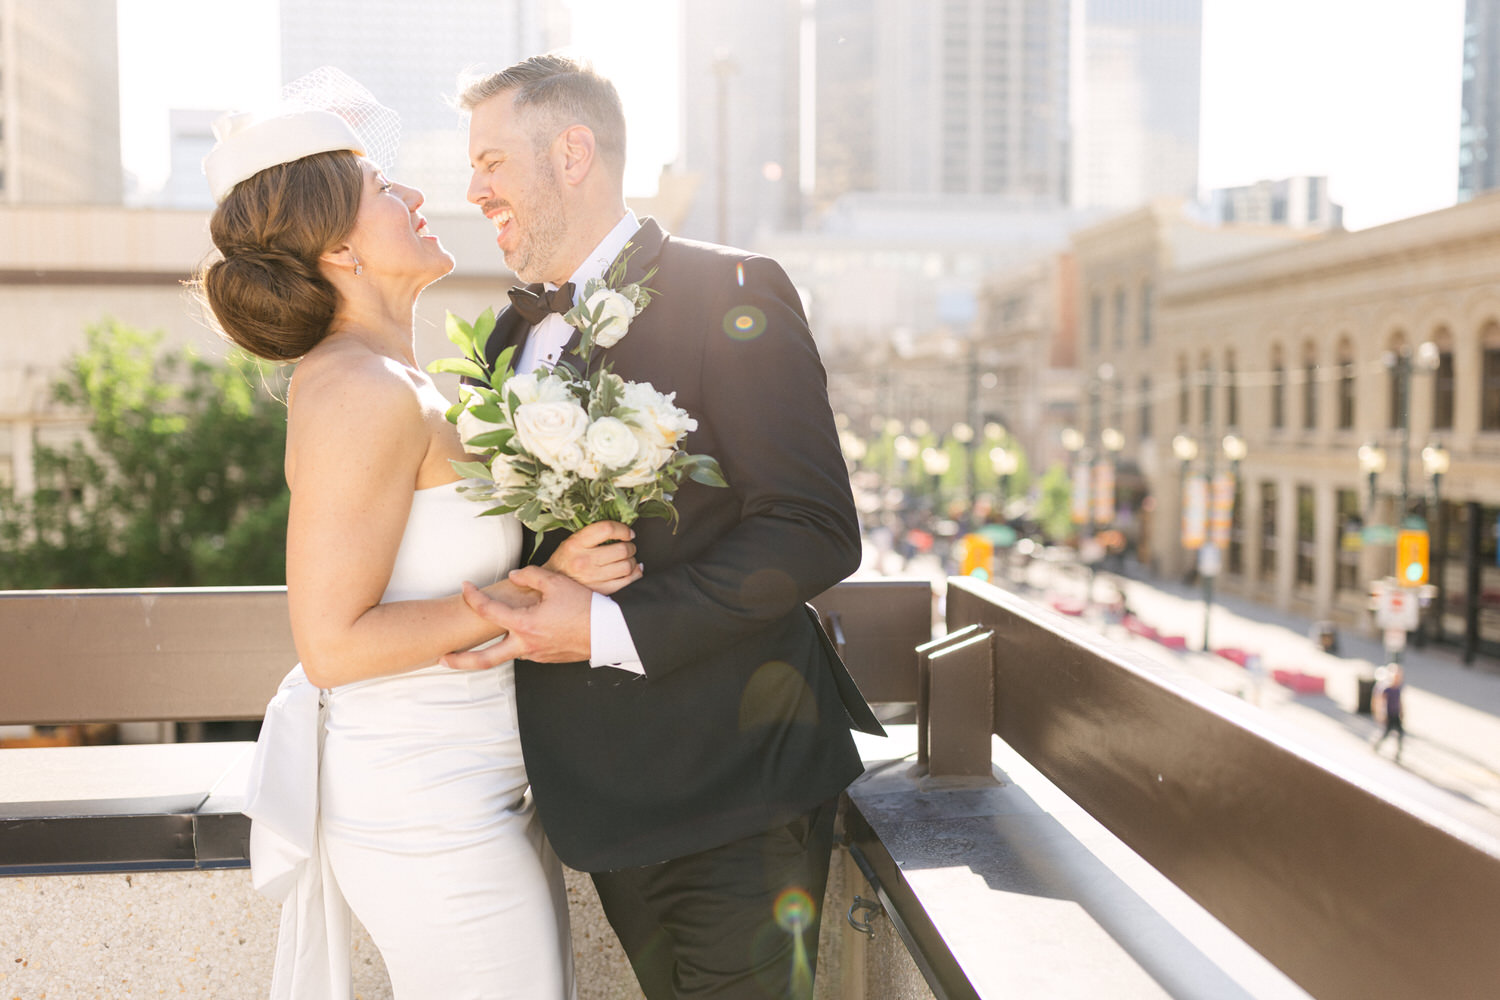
{"x":687,"y":739}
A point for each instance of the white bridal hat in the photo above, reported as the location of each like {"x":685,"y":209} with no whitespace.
{"x":323,"y":111}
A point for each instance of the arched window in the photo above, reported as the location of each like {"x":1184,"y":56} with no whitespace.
{"x":1489,"y":390}
{"x":1346,"y":385}
{"x":1442,"y":382}
{"x":1310,"y":386}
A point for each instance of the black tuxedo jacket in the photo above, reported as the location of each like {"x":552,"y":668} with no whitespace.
{"x":742,"y":719}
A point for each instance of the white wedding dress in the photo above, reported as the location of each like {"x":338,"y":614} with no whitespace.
{"x":405,"y":796}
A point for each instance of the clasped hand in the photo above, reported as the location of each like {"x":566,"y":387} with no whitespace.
{"x":544,"y":611}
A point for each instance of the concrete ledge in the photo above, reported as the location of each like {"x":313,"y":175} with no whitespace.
{"x":123,"y":808}
{"x":1004,"y":887}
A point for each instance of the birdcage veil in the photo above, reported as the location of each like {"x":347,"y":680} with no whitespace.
{"x":330,"y":89}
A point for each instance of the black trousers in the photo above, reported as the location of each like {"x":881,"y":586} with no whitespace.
{"x":736,"y":922}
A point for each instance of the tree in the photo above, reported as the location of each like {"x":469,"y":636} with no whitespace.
{"x":178,"y":484}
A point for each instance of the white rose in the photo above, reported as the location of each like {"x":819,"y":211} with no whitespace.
{"x":547,"y":429}
{"x":503,"y":472}
{"x":655,"y":414}
{"x":648,"y":461}
{"x":471,"y":426}
{"x":539,"y":386}
{"x":615,"y":314}
{"x":612,"y":443}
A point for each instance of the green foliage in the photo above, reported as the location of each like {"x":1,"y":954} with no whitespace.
{"x":1055,"y":506}
{"x":179,"y":485}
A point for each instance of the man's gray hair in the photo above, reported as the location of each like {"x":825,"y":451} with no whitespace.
{"x":558,"y":91}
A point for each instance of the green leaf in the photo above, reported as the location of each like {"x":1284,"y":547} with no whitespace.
{"x":704,"y":469}
{"x":490,"y":413}
{"x":470,"y":470}
{"x":460,"y":333}
{"x":458,"y":366}
{"x":491,"y":439}
{"x":502,"y":364}
{"x":453,"y":412}
{"x":483,"y":327}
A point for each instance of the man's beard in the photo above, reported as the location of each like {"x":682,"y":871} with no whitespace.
{"x":544,"y":227}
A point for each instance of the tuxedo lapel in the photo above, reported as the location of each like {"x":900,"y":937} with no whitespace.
{"x":510,"y":331}
{"x":640,"y":255}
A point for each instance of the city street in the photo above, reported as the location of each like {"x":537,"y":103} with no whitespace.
{"x":1450,"y":766}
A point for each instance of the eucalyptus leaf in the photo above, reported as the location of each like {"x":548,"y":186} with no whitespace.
{"x":470,"y":470}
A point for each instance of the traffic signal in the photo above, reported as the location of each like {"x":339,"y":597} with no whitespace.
{"x":979,"y":554}
{"x":1411,"y":557}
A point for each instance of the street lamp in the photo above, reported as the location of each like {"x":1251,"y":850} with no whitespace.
{"x":935,"y":463}
{"x":1402,"y":363}
{"x":1005,"y":464}
{"x":1372,"y":464}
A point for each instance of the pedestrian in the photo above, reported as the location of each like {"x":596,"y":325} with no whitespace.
{"x":1389,"y":698}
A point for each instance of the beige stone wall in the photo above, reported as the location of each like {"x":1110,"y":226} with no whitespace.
{"x":1312,"y":310}
{"x":209,"y":934}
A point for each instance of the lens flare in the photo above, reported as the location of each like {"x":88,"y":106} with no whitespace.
{"x":794,"y":910}
{"x":739,"y":274}
{"x":744,"y":322}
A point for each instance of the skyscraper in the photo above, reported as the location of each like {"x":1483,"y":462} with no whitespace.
{"x":1479,"y":130}
{"x":1136,"y":110}
{"x":741,"y":116}
{"x":956,"y":97}
{"x":409,"y":55}
{"x":60,"y":102}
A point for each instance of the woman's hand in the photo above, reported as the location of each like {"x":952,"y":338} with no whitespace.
{"x":600,"y":556}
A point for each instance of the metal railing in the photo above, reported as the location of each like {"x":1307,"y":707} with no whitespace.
{"x":1344,"y":888}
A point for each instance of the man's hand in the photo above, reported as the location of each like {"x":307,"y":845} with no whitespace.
{"x":600,"y":556}
{"x":554,"y":630}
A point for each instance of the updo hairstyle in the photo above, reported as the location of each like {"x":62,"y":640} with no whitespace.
{"x":267,"y":293}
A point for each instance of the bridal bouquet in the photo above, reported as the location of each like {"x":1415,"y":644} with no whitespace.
{"x":565,"y":447}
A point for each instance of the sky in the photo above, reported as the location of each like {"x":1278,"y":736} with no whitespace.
{"x":1365,"y":92}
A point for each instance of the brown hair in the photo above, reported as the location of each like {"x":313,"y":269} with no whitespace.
{"x":266,"y":293}
{"x":559,"y":91}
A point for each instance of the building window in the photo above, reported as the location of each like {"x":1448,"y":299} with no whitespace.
{"x":1096,"y":321}
{"x":1278,"y":391}
{"x":1184,"y":394}
{"x":1307,"y":552}
{"x":1399,"y":389}
{"x":1310,"y":389}
{"x":1345,"y":542}
{"x":1207,"y":376}
{"x":1268,"y":531}
{"x":1442,"y":391}
{"x":1145,"y":413}
{"x":1231,"y":393}
{"x":1119,"y":317}
{"x":1237,"y":530}
{"x":1148,"y":294}
{"x":1489,"y":392}
{"x":1346,"y":386}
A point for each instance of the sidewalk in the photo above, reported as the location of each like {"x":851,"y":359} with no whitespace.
{"x":1451,"y":760}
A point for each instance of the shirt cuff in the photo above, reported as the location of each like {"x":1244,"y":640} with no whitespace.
{"x":610,"y":644}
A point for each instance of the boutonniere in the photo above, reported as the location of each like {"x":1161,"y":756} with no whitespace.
{"x":607,"y":305}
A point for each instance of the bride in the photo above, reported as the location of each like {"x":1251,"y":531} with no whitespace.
{"x":381,"y":779}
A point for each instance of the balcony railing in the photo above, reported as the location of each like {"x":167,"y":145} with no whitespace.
{"x":1344,"y":889}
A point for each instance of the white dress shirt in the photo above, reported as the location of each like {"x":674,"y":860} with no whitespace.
{"x":610,"y":643}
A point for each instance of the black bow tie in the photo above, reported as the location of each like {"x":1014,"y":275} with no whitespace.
{"x":535,"y":303}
